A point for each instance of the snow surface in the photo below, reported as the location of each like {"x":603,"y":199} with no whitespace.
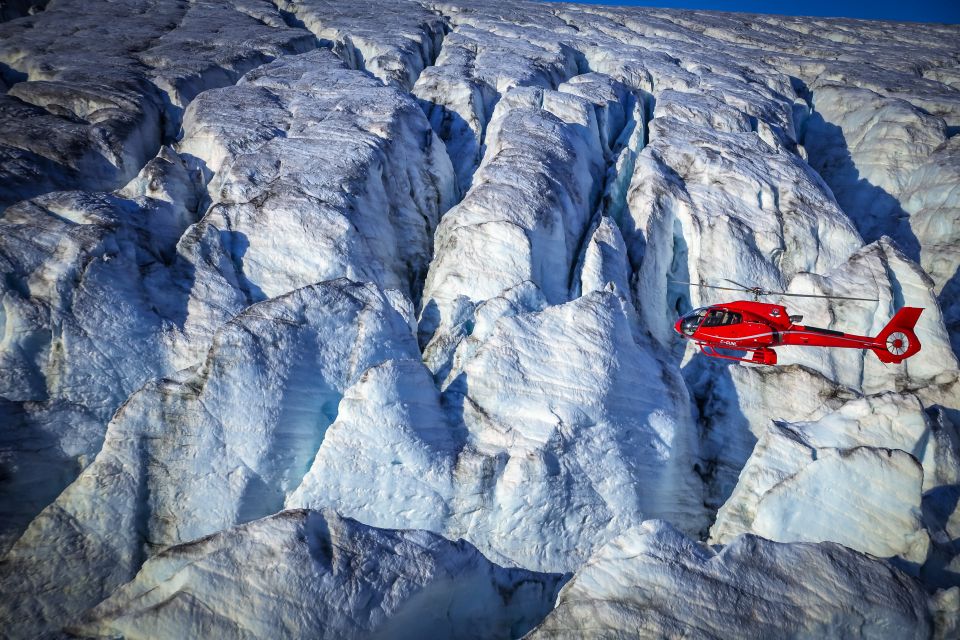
{"x":272,"y":266}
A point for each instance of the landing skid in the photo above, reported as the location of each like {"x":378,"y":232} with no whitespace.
{"x":760,"y":356}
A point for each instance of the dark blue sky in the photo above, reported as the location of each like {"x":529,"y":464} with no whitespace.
{"x":911,"y":10}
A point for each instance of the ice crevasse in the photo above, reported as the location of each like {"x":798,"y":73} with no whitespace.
{"x":355,"y":320}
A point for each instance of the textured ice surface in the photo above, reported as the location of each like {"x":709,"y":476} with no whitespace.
{"x":854,"y":476}
{"x":88,"y":306}
{"x":654,"y":582}
{"x":212,"y":446}
{"x":415,"y":263}
{"x":93,"y":92}
{"x":316,"y":573}
{"x":325,"y":174}
{"x":274,"y":223}
{"x":533,"y":493}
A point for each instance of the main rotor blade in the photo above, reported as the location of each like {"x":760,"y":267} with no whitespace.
{"x":710,"y":286}
{"x":764,"y":292}
{"x":813,"y":295}
{"x":745,"y":287}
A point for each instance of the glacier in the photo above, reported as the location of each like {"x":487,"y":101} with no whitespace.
{"x":355,"y":320}
{"x":642,"y":583}
{"x":400,"y":584}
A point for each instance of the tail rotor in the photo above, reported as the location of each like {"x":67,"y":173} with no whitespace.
{"x":897,"y":341}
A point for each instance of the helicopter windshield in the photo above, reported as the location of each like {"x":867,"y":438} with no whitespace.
{"x":692,"y":320}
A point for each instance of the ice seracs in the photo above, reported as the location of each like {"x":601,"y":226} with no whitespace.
{"x":317,"y":573}
{"x":493,"y":462}
{"x":280,"y":224}
{"x":566,"y":396}
{"x":218,"y":444}
{"x":772,"y":205}
{"x":652,"y":581}
{"x":70,"y":357}
{"x":86,"y":107}
{"x":865,"y":146}
{"x":738,"y":404}
{"x":881,"y":448}
{"x":393,"y":43}
{"x":417,"y":263}
{"x":390,"y":456}
{"x":930,"y":197}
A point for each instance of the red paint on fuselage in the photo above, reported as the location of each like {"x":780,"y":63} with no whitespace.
{"x":758,"y":326}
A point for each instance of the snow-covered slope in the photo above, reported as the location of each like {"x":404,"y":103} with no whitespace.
{"x":416,"y":264}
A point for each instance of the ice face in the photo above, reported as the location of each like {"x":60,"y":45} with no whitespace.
{"x":420,"y":264}
{"x":215,"y":445}
{"x":464,"y":473}
{"x":176,"y":276}
{"x":359,"y":581}
{"x":88,"y":111}
{"x":652,"y":581}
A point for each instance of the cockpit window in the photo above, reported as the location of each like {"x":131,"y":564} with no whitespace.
{"x":721,"y":318}
{"x":692,"y":320}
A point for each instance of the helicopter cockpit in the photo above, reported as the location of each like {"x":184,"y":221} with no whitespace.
{"x":714,"y":318}
{"x":690,"y":322}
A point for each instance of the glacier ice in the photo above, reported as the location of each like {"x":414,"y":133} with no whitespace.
{"x":499,"y":484}
{"x":317,"y":573}
{"x":70,"y":360}
{"x":211,"y":446}
{"x":175,"y":277}
{"x":652,"y":581}
{"x":416,"y":264}
{"x":389,"y":458}
{"x":369,"y":215}
{"x":738,"y":403}
{"x":394,"y":43}
{"x":881,"y":449}
{"x":87,"y":105}
{"x":865,"y":145}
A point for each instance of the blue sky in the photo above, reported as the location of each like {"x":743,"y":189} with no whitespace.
{"x":912,"y":10}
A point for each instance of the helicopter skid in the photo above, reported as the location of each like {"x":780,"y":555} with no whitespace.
{"x":759,"y":356}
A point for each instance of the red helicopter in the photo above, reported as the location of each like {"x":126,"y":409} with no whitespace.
{"x":757,"y":327}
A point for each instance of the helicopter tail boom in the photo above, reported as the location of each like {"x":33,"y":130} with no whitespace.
{"x":897,"y":341}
